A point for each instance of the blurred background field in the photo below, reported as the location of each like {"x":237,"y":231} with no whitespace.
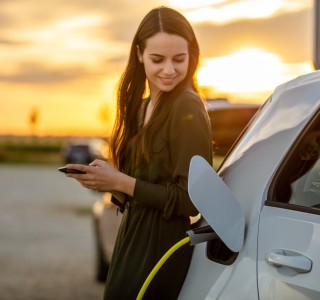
{"x":32,"y":150}
{"x":47,"y":150}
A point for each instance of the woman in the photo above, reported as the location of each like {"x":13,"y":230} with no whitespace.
{"x":152,"y":144}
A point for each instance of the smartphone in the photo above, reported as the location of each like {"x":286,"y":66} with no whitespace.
{"x":67,"y":170}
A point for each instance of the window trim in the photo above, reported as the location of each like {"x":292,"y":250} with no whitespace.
{"x":305,"y":209}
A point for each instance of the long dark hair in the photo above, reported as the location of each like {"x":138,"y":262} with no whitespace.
{"x":125,"y":138}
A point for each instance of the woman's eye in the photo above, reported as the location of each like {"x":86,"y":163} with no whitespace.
{"x":176,"y":60}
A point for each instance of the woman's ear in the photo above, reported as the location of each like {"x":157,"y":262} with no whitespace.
{"x":139,"y":54}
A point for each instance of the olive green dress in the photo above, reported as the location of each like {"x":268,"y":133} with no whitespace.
{"x":157,"y":217}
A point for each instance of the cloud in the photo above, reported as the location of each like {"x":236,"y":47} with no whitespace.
{"x":225,"y":11}
{"x":79,"y":36}
{"x":12,"y":43}
{"x":287,"y":35}
{"x":33,"y":73}
{"x":89,"y":34}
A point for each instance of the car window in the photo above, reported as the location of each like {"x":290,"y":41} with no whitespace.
{"x":298,"y":185}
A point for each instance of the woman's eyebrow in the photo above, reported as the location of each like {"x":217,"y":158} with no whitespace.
{"x":159,"y":55}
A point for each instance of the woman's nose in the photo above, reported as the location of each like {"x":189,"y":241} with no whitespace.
{"x":169,"y":68}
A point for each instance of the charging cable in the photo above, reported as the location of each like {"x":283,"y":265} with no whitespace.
{"x":195,"y":236}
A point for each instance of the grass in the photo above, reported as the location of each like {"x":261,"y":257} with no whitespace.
{"x":31,"y":151}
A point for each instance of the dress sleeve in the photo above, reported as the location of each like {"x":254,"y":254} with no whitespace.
{"x":189,"y":134}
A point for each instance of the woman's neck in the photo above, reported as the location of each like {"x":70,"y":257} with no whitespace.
{"x":152,"y":103}
{"x":154,"y":98}
{"x":149,"y":111}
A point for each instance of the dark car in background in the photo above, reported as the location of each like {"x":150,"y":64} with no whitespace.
{"x":84,"y":151}
{"x":228,"y":121}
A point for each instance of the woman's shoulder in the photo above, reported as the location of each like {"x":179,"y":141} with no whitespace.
{"x":189,"y":98}
{"x":189,"y":94}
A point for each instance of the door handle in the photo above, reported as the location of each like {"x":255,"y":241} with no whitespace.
{"x":296,"y":261}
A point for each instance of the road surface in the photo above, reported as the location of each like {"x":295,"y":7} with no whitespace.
{"x":47,"y":248}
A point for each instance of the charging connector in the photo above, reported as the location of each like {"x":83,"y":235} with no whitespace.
{"x":201,"y":234}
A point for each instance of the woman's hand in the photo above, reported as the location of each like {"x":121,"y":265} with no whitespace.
{"x":103,"y":177}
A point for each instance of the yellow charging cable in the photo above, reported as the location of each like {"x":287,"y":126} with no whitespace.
{"x":159,"y":265}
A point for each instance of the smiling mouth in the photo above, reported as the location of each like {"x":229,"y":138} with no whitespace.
{"x":167,"y":81}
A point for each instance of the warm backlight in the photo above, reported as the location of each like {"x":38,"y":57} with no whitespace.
{"x":247,"y":71}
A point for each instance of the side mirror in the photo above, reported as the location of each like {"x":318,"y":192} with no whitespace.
{"x":216,"y":203}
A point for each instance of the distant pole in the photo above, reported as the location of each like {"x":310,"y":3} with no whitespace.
{"x":33,"y":120}
{"x":316,"y":36}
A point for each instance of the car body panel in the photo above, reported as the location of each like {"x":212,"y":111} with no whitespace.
{"x":248,"y":171}
{"x":292,"y":231}
{"x":107,"y":218}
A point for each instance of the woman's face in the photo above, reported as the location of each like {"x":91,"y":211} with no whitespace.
{"x":166,"y":61}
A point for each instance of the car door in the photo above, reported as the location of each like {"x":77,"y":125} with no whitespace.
{"x":288,"y":259}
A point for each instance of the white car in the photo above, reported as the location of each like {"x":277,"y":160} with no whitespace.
{"x":263,"y":204}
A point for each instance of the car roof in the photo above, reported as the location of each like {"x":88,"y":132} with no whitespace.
{"x":215,"y":104}
{"x":250,"y":166}
{"x":273,"y":131}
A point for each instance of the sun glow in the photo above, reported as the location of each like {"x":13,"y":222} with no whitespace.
{"x":247,"y":71}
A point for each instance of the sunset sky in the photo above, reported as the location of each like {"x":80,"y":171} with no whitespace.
{"x":61,"y":59}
